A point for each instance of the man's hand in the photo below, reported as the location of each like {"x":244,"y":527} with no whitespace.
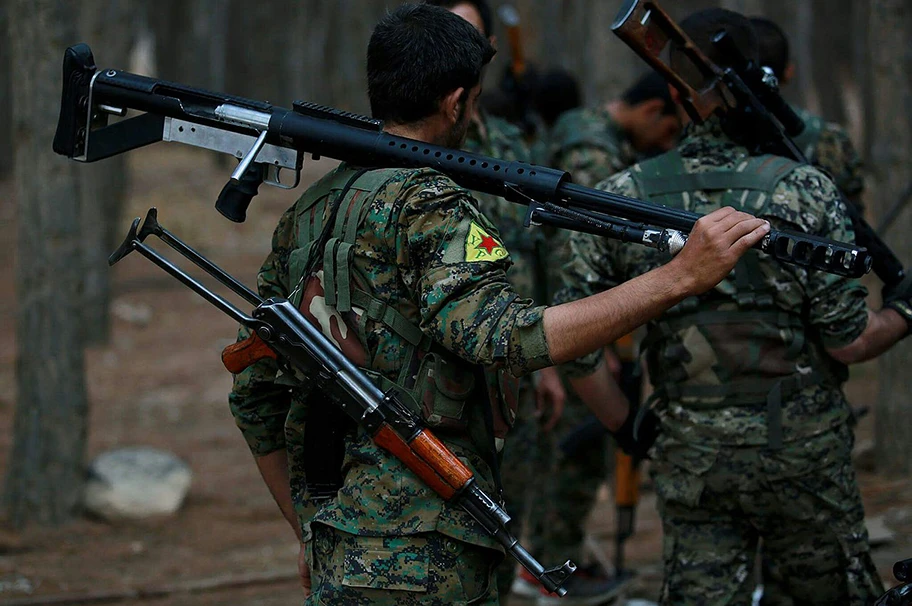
{"x":714,"y":246}
{"x":304,"y":571}
{"x":550,"y":397}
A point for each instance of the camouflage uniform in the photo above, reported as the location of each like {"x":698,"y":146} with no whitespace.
{"x":524,"y":455}
{"x":827,"y":146}
{"x":591,"y":147}
{"x":426,"y":255}
{"x":737,"y":459}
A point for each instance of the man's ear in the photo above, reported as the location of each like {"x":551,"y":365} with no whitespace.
{"x":675,"y":94}
{"x":451,"y":105}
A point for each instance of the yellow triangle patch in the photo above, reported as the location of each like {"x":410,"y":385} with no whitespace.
{"x":482,"y":246}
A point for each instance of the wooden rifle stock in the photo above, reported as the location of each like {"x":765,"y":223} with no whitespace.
{"x":238,"y":356}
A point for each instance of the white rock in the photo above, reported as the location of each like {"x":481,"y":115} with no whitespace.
{"x":136,"y":483}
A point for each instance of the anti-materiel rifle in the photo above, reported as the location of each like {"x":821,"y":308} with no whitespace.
{"x":272,"y":141}
{"x":286,"y":335}
{"x":744,"y":94}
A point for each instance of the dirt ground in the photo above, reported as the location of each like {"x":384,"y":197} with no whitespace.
{"x":159,"y":382}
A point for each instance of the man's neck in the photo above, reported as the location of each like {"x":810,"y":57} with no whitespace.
{"x":417,"y":131}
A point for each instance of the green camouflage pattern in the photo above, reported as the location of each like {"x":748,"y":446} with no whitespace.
{"x":834,"y":307}
{"x":427,"y":569}
{"x":720,"y":487}
{"x":589,"y":145}
{"x":803,"y":500}
{"x":411,"y":250}
{"x":495,"y":137}
{"x":828,"y":146}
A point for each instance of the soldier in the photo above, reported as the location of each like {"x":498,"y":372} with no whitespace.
{"x":592,"y":145}
{"x":408,"y":276}
{"x":825,"y":144}
{"x":754,"y":441}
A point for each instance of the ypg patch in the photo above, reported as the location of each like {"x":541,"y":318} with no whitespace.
{"x":482,"y":246}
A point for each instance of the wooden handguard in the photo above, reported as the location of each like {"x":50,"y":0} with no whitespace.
{"x":626,"y":479}
{"x":238,"y":356}
{"x":429,"y":458}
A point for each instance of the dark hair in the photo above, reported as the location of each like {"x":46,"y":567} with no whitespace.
{"x":774,"y":46}
{"x":417,"y":55}
{"x":701,"y":27}
{"x":482,"y":6}
{"x":649,"y":87}
{"x":557,"y":92}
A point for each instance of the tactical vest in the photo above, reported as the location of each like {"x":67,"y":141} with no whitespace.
{"x":732,"y":346}
{"x":337,"y":297}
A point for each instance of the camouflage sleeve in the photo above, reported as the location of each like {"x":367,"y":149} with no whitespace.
{"x":590,"y":265}
{"x":836,"y":305}
{"x":260,"y":405}
{"x":457,"y":267}
{"x":836,"y":154}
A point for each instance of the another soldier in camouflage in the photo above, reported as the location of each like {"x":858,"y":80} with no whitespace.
{"x":400,"y":268}
{"x":826,"y":145}
{"x":754,"y":439}
{"x":594,"y":144}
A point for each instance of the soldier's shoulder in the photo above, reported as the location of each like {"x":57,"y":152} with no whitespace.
{"x":623,"y":182}
{"x":498,"y":126}
{"x":417,"y":188}
{"x":583,"y":126}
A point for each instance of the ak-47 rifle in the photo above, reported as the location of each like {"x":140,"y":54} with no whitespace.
{"x":288,"y":336}
{"x":271,"y":141}
{"x":745,"y":94}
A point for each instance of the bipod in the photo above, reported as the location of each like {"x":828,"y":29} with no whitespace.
{"x":135,"y":241}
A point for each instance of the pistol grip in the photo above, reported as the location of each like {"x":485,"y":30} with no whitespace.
{"x":238,"y":356}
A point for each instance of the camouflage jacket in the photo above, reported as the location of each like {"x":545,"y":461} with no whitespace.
{"x":589,"y":145}
{"x":493,"y":136}
{"x":417,"y":250}
{"x":830,"y":308}
{"x":827,"y":146}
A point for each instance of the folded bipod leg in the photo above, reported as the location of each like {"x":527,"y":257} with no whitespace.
{"x":134,"y":242}
{"x":151,"y":226}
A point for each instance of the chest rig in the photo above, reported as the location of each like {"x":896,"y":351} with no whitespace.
{"x":450,"y":394}
{"x":732,"y":346}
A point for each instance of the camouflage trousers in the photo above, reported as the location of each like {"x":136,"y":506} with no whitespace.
{"x":428,"y":568}
{"x":801,"y":500}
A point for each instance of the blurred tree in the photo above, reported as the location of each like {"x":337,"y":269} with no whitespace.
{"x":6,"y":106}
{"x":46,"y":466}
{"x":107,"y":25}
{"x":891,"y":135}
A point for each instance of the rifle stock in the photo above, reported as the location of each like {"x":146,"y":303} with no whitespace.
{"x":742,"y":90}
{"x":320,"y":131}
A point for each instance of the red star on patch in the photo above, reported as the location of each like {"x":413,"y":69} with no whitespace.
{"x":489,"y":244}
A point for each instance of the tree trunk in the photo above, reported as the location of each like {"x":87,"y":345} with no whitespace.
{"x":6,"y":106}
{"x":891,"y":136}
{"x":46,"y":470}
{"x":108,"y":24}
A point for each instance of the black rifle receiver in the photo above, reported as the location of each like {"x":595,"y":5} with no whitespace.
{"x":224,"y":123}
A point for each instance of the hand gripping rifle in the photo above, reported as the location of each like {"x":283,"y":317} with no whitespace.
{"x":295,"y":342}
{"x":748,"y":97}
{"x":271,"y":141}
